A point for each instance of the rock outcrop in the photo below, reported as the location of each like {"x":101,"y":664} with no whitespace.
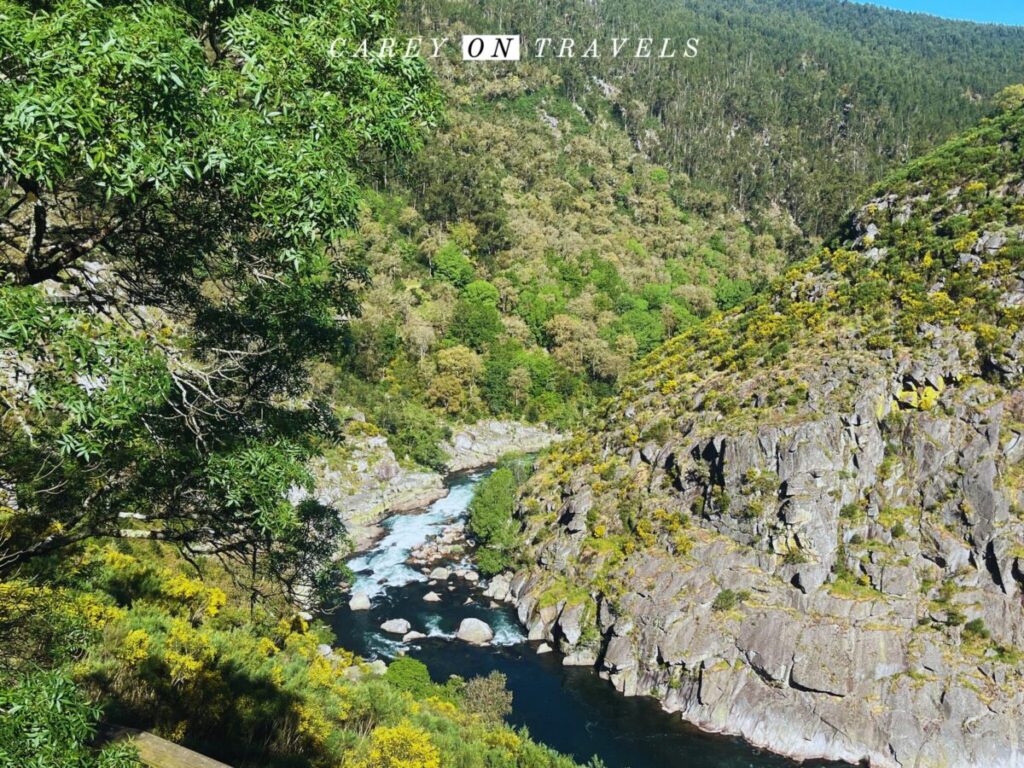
{"x":359,"y":601}
{"x":365,"y":482}
{"x":396,"y":626}
{"x":802,"y":524}
{"x":483,"y":443}
{"x":475,"y":632}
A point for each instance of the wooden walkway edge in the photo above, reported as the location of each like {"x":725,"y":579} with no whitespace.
{"x":160,"y":753}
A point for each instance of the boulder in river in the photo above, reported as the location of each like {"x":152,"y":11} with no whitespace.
{"x":410,"y":636}
{"x":544,"y":648}
{"x":499,"y":587}
{"x":396,"y":626}
{"x":440,"y":574}
{"x":360,"y":601}
{"x":432,"y":597}
{"x":475,"y":632}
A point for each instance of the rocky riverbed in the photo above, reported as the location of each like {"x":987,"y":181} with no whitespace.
{"x":366,"y":482}
{"x":420,"y":596}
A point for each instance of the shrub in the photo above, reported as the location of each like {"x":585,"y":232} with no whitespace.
{"x":408,"y":674}
{"x":400,"y":746}
{"x":413,"y":432}
{"x":488,"y":697}
{"x":46,"y":720}
{"x":728,"y":599}
{"x":976,"y":628}
{"x":490,"y":521}
{"x":954,"y":617}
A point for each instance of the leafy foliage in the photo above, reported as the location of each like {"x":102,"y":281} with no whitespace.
{"x":174,"y":180}
{"x":186,"y":658}
{"x":491,"y":522}
{"x":601,"y":257}
{"x":46,"y":721}
{"x":782,"y":93}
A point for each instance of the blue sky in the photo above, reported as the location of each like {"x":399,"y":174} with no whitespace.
{"x":1000,"y":11}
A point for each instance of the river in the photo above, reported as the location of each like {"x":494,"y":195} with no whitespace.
{"x":570,"y":709}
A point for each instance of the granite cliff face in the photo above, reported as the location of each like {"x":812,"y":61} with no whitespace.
{"x":803,"y":523}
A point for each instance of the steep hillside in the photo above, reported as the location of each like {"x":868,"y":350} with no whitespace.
{"x":524,"y":260}
{"x":799,"y":104}
{"x":803,"y":522}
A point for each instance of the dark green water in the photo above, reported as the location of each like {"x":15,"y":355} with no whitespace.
{"x":569,"y":709}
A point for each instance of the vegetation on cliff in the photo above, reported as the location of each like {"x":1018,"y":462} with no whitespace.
{"x":573,"y":214}
{"x":849,"y":442}
{"x":175,"y":180}
{"x":186,"y":657}
{"x":526,"y":257}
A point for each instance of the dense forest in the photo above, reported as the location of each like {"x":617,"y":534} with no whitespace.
{"x":170,"y":263}
{"x":539,"y":244}
{"x":791,"y":104}
{"x":220,"y":242}
{"x":523,"y":259}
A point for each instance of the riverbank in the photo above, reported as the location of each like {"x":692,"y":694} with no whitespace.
{"x":568,"y":708}
{"x":366,"y":482}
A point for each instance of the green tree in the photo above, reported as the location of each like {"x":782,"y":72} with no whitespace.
{"x":730,"y":293}
{"x":492,"y":523}
{"x":476,"y":322}
{"x":413,"y":432}
{"x":200,"y":161}
{"x":451,"y":264}
{"x":408,"y":674}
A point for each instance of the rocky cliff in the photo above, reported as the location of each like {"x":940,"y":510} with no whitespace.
{"x":802,"y":523}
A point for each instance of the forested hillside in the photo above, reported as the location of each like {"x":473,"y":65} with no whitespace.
{"x":230,"y":258}
{"x":169,"y":270}
{"x":802,"y":522}
{"x":799,"y":104}
{"x":523,"y":259}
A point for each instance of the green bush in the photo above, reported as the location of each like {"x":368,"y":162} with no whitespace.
{"x":413,"y":432}
{"x":46,"y":721}
{"x":976,"y":628}
{"x":451,"y":265}
{"x":491,"y":522}
{"x":408,"y":674}
{"x":728,"y":599}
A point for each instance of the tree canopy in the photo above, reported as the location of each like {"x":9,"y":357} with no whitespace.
{"x":174,"y":178}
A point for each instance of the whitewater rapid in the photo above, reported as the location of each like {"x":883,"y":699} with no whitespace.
{"x":384,"y":574}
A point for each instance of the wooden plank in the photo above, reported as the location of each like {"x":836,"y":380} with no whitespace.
{"x":160,"y":753}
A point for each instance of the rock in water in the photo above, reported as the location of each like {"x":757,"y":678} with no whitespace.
{"x":396,"y":626}
{"x":498,"y":587}
{"x":475,"y":632}
{"x":432,"y":597}
{"x":360,"y":602}
{"x":440,"y":574}
{"x":544,"y":648}
{"x":410,"y":636}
